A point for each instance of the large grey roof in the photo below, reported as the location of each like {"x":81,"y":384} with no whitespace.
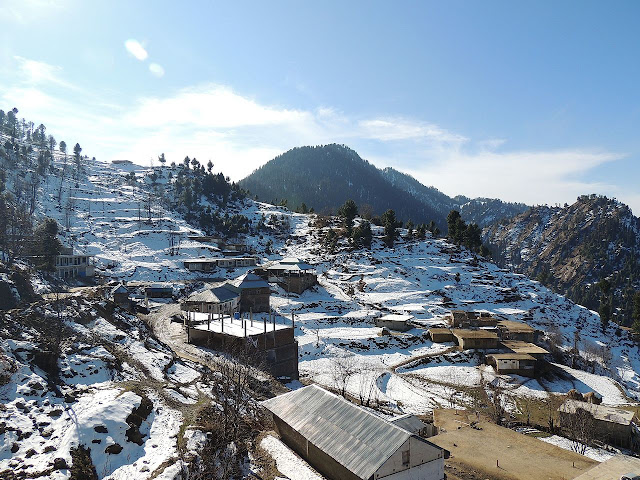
{"x":249,"y":280}
{"x":291,"y":264}
{"x":359,"y":440}
{"x":218,"y":294}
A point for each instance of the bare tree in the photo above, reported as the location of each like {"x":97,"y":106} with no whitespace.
{"x":342,"y":369}
{"x":368,"y":391}
{"x":581,"y":428}
{"x":495,"y":394}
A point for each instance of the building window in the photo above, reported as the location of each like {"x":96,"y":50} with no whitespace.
{"x":405,"y":458}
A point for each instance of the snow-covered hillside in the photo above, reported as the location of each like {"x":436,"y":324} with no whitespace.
{"x":415,"y":277}
{"x":339,"y":345}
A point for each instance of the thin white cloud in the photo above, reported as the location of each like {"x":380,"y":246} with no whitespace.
{"x":239,"y":133}
{"x":156,"y":70}
{"x":136,"y":49}
{"x":25,"y":11}
{"x":389,"y":129}
{"x":533,"y":177}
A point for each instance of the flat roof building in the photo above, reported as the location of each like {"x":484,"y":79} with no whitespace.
{"x":440,"y":335}
{"x":615,"y":426}
{"x":479,"y":339}
{"x":518,"y":363}
{"x":395,"y":321}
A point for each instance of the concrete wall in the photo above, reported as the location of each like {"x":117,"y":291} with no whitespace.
{"x":297,"y":284}
{"x":480,"y":343}
{"x":441,"y":337}
{"x":393,"y":325}
{"x":255,"y":299}
{"x":280,"y":351}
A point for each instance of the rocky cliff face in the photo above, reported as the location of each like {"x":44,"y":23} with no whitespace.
{"x":571,"y":248}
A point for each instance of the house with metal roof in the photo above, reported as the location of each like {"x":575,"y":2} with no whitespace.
{"x":120,"y":294}
{"x":254,"y":292}
{"x":292,"y":274}
{"x":217,"y":298}
{"x":615,"y":426}
{"x":346,"y":442}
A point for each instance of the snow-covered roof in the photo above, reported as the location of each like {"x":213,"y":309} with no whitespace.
{"x":599,"y":412}
{"x":249,"y":280}
{"x":396,"y":317}
{"x":290,"y":263}
{"x":119,"y":289}
{"x":355,"y":438}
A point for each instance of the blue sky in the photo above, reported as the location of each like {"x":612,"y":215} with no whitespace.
{"x":534,"y":102}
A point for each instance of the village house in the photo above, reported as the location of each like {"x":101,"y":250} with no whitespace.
{"x":413,"y":424}
{"x":440,"y":335}
{"x":395,"y":321}
{"x":614,"y":426}
{"x":478,"y":339}
{"x":216,"y":299}
{"x":460,"y":318}
{"x":267,"y":338}
{"x":70,"y":265}
{"x":254,"y":292}
{"x":511,"y":330}
{"x":120,"y":294}
{"x":522,"y":358}
{"x":159,"y":290}
{"x":518,"y":363}
{"x":292,"y":274}
{"x":345,"y":442}
{"x":207,"y":265}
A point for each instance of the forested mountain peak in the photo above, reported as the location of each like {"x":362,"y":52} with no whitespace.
{"x":573,"y":248}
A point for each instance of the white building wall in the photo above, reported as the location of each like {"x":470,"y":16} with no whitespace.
{"x":426,"y":462}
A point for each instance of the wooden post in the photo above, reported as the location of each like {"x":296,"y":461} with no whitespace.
{"x":245,"y":329}
{"x":222,"y":324}
{"x":209,"y":321}
{"x":265,"y":333}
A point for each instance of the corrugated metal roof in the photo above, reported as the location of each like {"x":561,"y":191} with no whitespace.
{"x":355,"y":438}
{"x":218,"y":294}
{"x":409,"y":422}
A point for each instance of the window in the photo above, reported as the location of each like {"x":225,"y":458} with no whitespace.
{"x":405,"y":458}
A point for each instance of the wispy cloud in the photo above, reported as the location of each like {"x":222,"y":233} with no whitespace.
{"x":136,"y":49}
{"x":156,"y":70}
{"x":239,"y":133}
{"x":390,"y":129}
{"x":24,"y":11}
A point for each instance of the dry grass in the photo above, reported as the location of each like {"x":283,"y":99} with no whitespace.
{"x":519,"y":456}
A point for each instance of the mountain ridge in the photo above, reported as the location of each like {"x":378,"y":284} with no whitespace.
{"x":326,"y":176}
